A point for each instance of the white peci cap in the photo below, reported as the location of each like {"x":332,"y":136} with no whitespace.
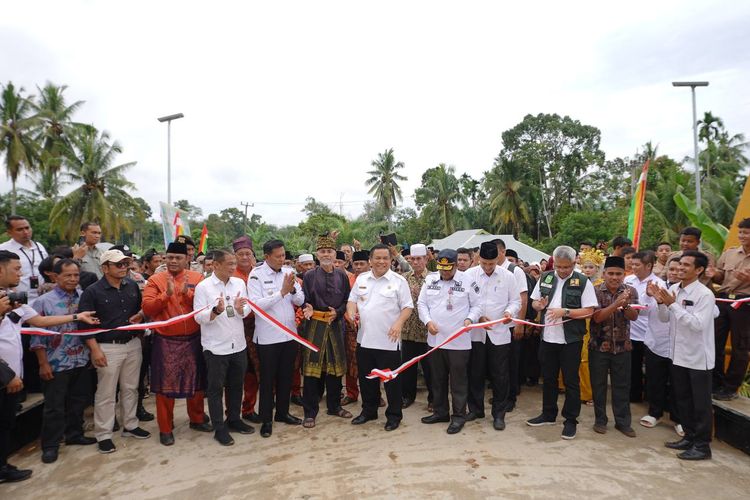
{"x":418,"y":250}
{"x":305,"y":257}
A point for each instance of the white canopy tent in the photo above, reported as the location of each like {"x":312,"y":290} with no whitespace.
{"x":471,"y":238}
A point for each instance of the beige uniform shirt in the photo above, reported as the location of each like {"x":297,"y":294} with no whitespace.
{"x":733,"y":260}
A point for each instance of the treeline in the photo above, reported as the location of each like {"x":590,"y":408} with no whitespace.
{"x":549,"y":184}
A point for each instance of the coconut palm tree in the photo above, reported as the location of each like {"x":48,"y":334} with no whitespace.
{"x":102,"y":192}
{"x":383,"y":181}
{"x":509,"y":208}
{"x":18,"y":124}
{"x":440,"y":195}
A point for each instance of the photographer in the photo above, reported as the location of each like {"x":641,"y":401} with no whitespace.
{"x":13,"y":313}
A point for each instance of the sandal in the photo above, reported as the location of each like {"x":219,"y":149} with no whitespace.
{"x":649,"y":421}
{"x":308,"y":423}
{"x":346,"y":400}
{"x":341,"y":413}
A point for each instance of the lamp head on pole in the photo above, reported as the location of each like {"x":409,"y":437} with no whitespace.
{"x":690,"y":84}
{"x":169,"y":118}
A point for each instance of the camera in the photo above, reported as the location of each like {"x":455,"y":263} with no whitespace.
{"x":18,"y":297}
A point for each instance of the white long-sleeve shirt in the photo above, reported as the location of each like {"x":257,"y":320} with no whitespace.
{"x":222,"y":335}
{"x":447,"y":304}
{"x":379,"y":304}
{"x":498,"y":294}
{"x":264,"y":288}
{"x":691,"y":326}
{"x":648,"y":328}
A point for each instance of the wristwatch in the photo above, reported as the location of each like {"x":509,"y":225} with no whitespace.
{"x":567,"y":313}
{"x":75,"y":317}
{"x":215,"y":311}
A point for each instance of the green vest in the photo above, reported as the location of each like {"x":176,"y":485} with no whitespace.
{"x":571,"y":299}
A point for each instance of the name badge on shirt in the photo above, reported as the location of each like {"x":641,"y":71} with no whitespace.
{"x":575,"y":282}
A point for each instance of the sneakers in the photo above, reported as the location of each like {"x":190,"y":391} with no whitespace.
{"x":137,"y":433}
{"x":107,"y":446}
{"x":540,"y":420}
{"x":569,"y":430}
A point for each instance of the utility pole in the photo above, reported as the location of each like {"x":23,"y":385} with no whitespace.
{"x":246,"y":205}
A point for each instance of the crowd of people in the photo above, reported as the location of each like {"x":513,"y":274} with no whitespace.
{"x":649,"y":322}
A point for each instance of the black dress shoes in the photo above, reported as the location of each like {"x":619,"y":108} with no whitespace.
{"x":288,"y":419}
{"x":223,"y":437}
{"x":80,"y":440}
{"x":406,"y":402}
{"x":12,"y":474}
{"x":455,"y":427}
{"x":435,"y":418}
{"x":296,"y":400}
{"x":473,"y":415}
{"x":240,"y":426}
{"x":166,"y":438}
{"x":49,"y":455}
{"x":266,"y":429}
{"x":499,"y":423}
{"x":695,"y":454}
{"x":682,"y":444}
{"x":204,"y":427}
{"x":252,"y":417}
{"x":361,"y":419}
{"x":143,"y":415}
{"x":392,"y":425}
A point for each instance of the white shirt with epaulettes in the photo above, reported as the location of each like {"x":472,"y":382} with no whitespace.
{"x":447,"y":304}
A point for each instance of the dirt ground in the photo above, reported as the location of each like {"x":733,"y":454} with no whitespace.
{"x":336,"y":459}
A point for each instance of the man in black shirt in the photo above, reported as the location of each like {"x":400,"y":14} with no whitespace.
{"x":116,"y":354}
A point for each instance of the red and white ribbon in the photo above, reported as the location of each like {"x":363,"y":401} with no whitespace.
{"x":170,"y":322}
{"x":281,"y":326}
{"x":735,"y":303}
{"x":126,"y":328}
{"x":388,"y":374}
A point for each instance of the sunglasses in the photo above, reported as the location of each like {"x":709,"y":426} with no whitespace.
{"x":119,"y":265}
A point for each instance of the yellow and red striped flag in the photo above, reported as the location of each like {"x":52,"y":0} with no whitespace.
{"x":635,"y":218}
{"x":203,"y":245}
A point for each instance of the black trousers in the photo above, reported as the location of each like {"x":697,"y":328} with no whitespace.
{"x":636,"y":371}
{"x":410,"y":349}
{"x":659,"y":387}
{"x":312,"y":391}
{"x":692,"y":389}
{"x":147,"y":342}
{"x":367,"y":359}
{"x":276,"y":367}
{"x":617,"y":366}
{"x":225,"y":370}
{"x":450,"y":366}
{"x":8,"y":403}
{"x":553,"y":358}
{"x":477,"y":377}
{"x":738,"y":321}
{"x":65,"y":398}
{"x":514,"y":367}
{"x":498,"y":359}
{"x":530,"y":369}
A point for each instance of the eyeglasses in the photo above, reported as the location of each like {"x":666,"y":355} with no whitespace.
{"x":120,"y":265}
